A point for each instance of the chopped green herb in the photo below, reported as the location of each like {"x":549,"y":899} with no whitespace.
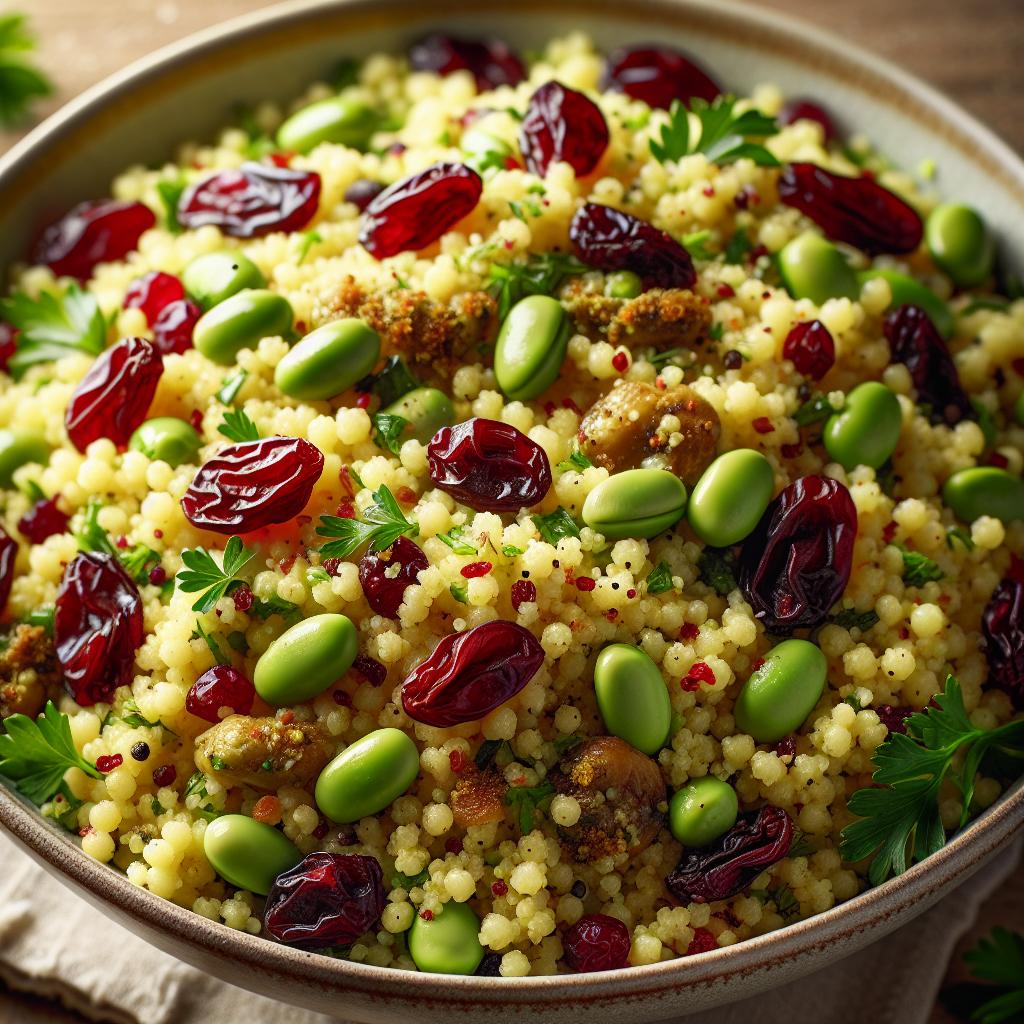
{"x":556,"y":525}
{"x":738,"y":246}
{"x":238,"y":427}
{"x":42,"y":616}
{"x":511,"y":551}
{"x":659,"y":579}
{"x":696,"y":245}
{"x":203,"y":575}
{"x":918,"y":569}
{"x":816,"y":409}
{"x":541,"y":274}
{"x":275,"y":605}
{"x":196,"y":784}
{"x":390,"y":383}
{"x":314,"y":574}
{"x":487,"y":753}
{"x":407,"y":882}
{"x":724,"y":135}
{"x":237,"y":641}
{"x":218,"y":655}
{"x":520,"y":210}
{"x":387,"y":431}
{"x":986,"y":421}
{"x":381,"y":525}
{"x":718,"y":569}
{"x":170,"y":191}
{"x":715,"y":331}
{"x":995,"y":302}
{"x":526,"y":800}
{"x":958,"y":535}
{"x":346,"y":73}
{"x":564,"y":743}
{"x":230,"y":387}
{"x":137,"y":560}
{"x":850,"y":618}
{"x":999,"y":958}
{"x":305,"y":241}
{"x":21,"y":82}
{"x":460,"y":591}
{"x":668,"y":356}
{"x":454,"y":541}
{"x":217,"y":763}
{"x":575,"y":462}
{"x":854,"y":701}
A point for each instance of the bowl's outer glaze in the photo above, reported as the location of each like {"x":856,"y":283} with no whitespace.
{"x":188,"y":91}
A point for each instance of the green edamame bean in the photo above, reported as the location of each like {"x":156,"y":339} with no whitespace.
{"x":305,"y":659}
{"x":984,"y":491}
{"x":367,"y":776}
{"x":623,"y":284}
{"x":813,"y":268}
{"x":248,"y":853}
{"x":167,"y":438}
{"x":635,"y":503}
{"x":632,"y":697}
{"x":241,"y":321}
{"x":730,"y":497}
{"x":216,"y":276}
{"x":447,"y":944}
{"x":1018,"y":409}
{"x":960,"y":243}
{"x":18,"y":448}
{"x":779,"y":696}
{"x":340,"y":119}
{"x":329,"y":360}
{"x":531,"y":347}
{"x":908,"y":292}
{"x":426,"y":409}
{"x":702,"y":810}
{"x":866,"y":430}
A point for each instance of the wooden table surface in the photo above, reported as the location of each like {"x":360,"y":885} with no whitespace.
{"x":970,"y":50}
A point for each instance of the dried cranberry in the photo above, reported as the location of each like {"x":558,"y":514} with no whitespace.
{"x":857,"y":211}
{"x":44,"y":519}
{"x":165,"y":775}
{"x":808,"y":110}
{"x":243,"y":599}
{"x":470,"y":674}
{"x":8,"y":344}
{"x":810,"y":348}
{"x":99,"y":231}
{"x":114,"y":396}
{"x":328,"y":899}
{"x":152,"y":292}
{"x":8,"y":554}
{"x":894,"y":718}
{"x":97,"y":627}
{"x":218,"y":688}
{"x":172,"y":332}
{"x":385,"y":589}
{"x":1002,"y":626}
{"x":522,"y":592}
{"x":491,"y":62}
{"x":416,"y":211}
{"x":703,"y":941}
{"x":252,"y":200}
{"x":609,"y":239}
{"x":915,"y":342}
{"x":562,"y":125}
{"x":489,"y":466}
{"x":657,"y":75}
{"x":362,"y":192}
{"x":247,"y":486}
{"x":370,"y":669}
{"x":786,"y":747}
{"x":490,"y":966}
{"x":596,"y":942}
{"x":108,"y":762}
{"x":757,"y":840}
{"x":797,"y":562}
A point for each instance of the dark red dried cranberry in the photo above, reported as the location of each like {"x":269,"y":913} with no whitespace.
{"x":894,"y":718}
{"x":857,"y":211}
{"x":218,"y":688}
{"x":97,"y":627}
{"x":108,"y":762}
{"x":797,"y":562}
{"x":152,"y":292}
{"x":657,"y":75}
{"x":489,"y":466}
{"x":416,"y":211}
{"x":247,"y":486}
{"x":384,"y":591}
{"x":596,"y":942}
{"x":703,"y":941}
{"x":470,"y":674}
{"x":810,"y":348}
{"x":522,"y":592}
{"x":8,"y":554}
{"x":115,"y":395}
{"x":562,"y":125}
{"x":243,"y":599}
{"x":252,"y":200}
{"x":44,"y":519}
{"x":808,"y":110}
{"x":609,"y":239}
{"x":362,"y":192}
{"x":165,"y":775}
{"x":491,"y":62}
{"x":786,"y":747}
{"x":1002,"y":626}
{"x":490,"y":966}
{"x":99,"y":231}
{"x":328,"y":899}
{"x":8,"y":344}
{"x":370,"y":669}
{"x":757,"y":840}
{"x":172,"y":332}
{"x":915,"y":342}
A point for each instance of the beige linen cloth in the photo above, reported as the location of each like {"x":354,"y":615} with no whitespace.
{"x":54,"y":944}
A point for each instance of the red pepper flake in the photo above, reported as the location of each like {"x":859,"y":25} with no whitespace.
{"x":709,"y":190}
{"x":703,"y":941}
{"x":659,"y":382}
{"x":612,"y":614}
{"x":453,"y":844}
{"x":457,"y":761}
{"x":475,"y":569}
{"x":549,"y":408}
{"x":427,"y":915}
{"x":158,"y":534}
{"x":406,"y":495}
{"x":165,"y":775}
{"x":195,"y":417}
{"x":688,"y":631}
{"x":620,"y":361}
{"x":725,"y":291}
{"x":758,"y":662}
{"x":791,"y":451}
{"x":889,"y":531}
{"x":281,"y":159}
{"x":83,"y":832}
{"x":363,"y":402}
{"x":287,"y":717}
{"x":998,"y":460}
{"x":321,"y":830}
{"x":108,"y":763}
{"x":585,"y":583}
{"x":285,"y":565}
{"x":763,"y":425}
{"x":904,"y":633}
{"x":499,"y":888}
{"x":342,"y":699}
{"x":698,"y":674}
{"x":243,"y":599}
{"x":631,"y":593}
{"x":568,"y":403}
{"x":122,"y":542}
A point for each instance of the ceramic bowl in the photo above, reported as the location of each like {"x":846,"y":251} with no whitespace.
{"x":186,"y":92}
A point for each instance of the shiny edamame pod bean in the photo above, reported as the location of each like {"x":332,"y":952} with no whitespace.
{"x":247,"y":853}
{"x":531,"y":347}
{"x":241,"y":321}
{"x":305,"y":659}
{"x":448,"y":943}
{"x":866,"y":430}
{"x":702,"y":810}
{"x":18,"y":448}
{"x":813,"y":268}
{"x":635,"y":503}
{"x":339,"y":119}
{"x":632,"y":697}
{"x":215,"y":276}
{"x":168,"y":439}
{"x":329,"y":360}
{"x":906,"y":291}
{"x":960,"y":243}
{"x":730,"y":497}
{"x":984,"y":491}
{"x":367,"y":776}
{"x":623,"y":284}
{"x":779,"y":696}
{"x":426,"y":409}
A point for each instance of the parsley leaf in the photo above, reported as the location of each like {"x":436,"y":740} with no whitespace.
{"x":137,"y":560}
{"x":718,"y":569}
{"x":238,"y":427}
{"x":525,"y":800}
{"x":724,"y":135}
{"x":487,"y":753}
{"x":390,"y":383}
{"x":460,"y":591}
{"x":454,"y":541}
{"x":218,"y":655}
{"x":999,"y":958}
{"x":263,"y":609}
{"x":381,"y":525}
{"x":230,"y":387}
{"x":696,"y":245}
{"x":203,"y":575}
{"x":306,"y":241}
{"x":42,"y":616}
{"x":918,"y":569}
{"x":387,"y":431}
{"x":541,"y":274}
{"x":957,"y":534}
{"x":556,"y":525}
{"x":576,"y":461}
{"x":659,"y":579}
{"x":403,"y":881}
{"x":20,"y":82}
{"x":816,"y":409}
{"x":511,"y":551}
{"x":170,"y":191}
{"x":850,"y":618}
{"x":738,"y":246}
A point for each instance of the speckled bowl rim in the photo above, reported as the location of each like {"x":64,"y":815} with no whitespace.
{"x":866,"y":912}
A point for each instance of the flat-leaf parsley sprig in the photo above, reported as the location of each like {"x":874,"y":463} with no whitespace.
{"x":202,"y":575}
{"x":380,"y":526}
{"x":238,"y":427}
{"x":21,"y":82}
{"x":724,"y":136}
{"x":999,"y":959}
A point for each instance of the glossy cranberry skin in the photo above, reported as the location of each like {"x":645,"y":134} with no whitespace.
{"x":8,"y":554}
{"x":797,"y":562}
{"x":253,"y":200}
{"x":114,"y":396}
{"x":220,"y":687}
{"x":894,"y":718}
{"x":491,"y":62}
{"x":253,"y":484}
{"x":44,"y":519}
{"x":610,"y":239}
{"x":857,"y":211}
{"x":703,"y":941}
{"x":172,"y":332}
{"x":152,"y":292}
{"x":328,"y":899}
{"x":97,"y":627}
{"x":470,"y":674}
{"x":561,"y":124}
{"x":8,"y":343}
{"x":724,"y":869}
{"x":596,"y":942}
{"x":808,"y":110}
{"x":810,"y":348}
{"x":384,"y":593}
{"x":915,"y":342}
{"x":98,"y":231}
{"x":522,"y":592}
{"x":658,"y":75}
{"x":489,"y":466}
{"x":362,"y":192}
{"x":1002,"y":625}
{"x":416,"y":211}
